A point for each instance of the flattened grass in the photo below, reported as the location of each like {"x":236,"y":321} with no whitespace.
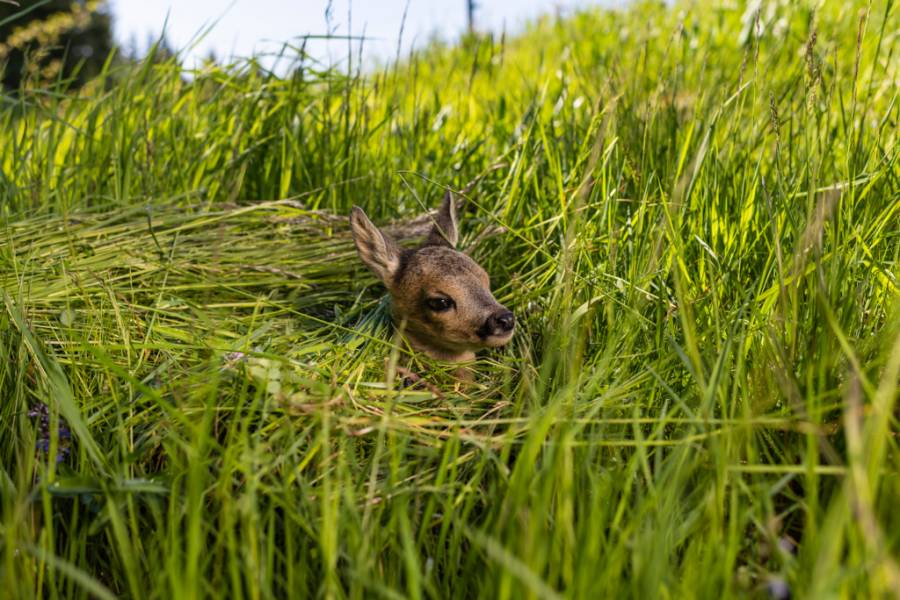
{"x":693,"y":212}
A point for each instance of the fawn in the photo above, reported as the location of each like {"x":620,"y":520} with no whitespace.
{"x":441,"y":298}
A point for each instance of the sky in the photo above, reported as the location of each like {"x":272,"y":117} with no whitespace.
{"x":245,"y":27}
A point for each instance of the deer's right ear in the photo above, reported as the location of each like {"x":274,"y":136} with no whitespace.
{"x":377,"y":251}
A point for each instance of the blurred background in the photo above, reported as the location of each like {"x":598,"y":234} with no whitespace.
{"x":43,"y":40}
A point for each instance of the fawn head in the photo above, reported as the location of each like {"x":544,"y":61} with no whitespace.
{"x":440,"y":296}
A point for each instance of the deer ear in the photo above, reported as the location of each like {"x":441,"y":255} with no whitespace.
{"x":445,"y":231}
{"x":377,"y":251}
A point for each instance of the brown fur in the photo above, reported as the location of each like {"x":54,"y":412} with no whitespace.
{"x":418,"y":278}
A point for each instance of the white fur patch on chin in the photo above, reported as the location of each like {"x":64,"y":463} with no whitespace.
{"x":497,"y":341}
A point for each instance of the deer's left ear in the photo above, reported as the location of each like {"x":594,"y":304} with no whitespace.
{"x":445,"y":231}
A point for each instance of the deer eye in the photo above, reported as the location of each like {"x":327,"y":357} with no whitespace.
{"x":440,"y":304}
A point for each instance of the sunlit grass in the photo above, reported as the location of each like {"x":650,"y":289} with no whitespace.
{"x":696,"y":226}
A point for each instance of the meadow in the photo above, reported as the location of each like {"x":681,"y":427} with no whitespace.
{"x":692,"y":209}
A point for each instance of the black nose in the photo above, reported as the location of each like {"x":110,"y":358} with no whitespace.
{"x":504,"y":321}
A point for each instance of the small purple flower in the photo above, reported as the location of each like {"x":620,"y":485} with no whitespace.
{"x":41,"y":412}
{"x":231,"y":359}
{"x":787,"y":545}
{"x":778,"y":588}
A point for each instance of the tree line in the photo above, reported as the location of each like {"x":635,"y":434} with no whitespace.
{"x":48,"y":40}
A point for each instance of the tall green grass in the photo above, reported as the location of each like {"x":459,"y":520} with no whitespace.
{"x":693,"y":212}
